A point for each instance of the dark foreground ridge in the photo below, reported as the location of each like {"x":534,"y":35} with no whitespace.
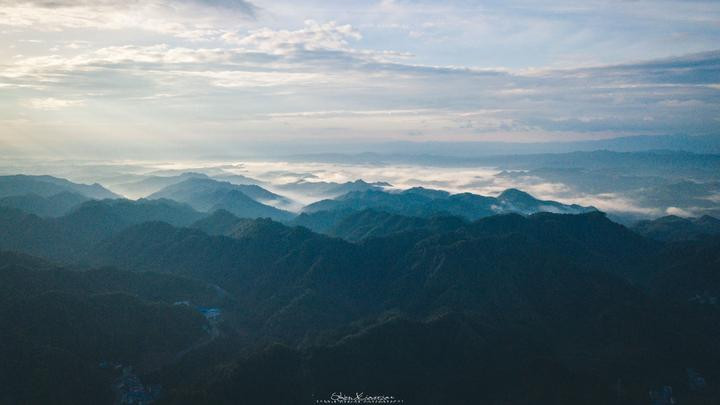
{"x":509,"y":309}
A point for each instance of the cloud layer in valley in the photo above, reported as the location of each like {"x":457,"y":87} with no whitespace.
{"x":631,"y":196}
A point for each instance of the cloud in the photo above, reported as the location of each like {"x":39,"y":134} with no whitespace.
{"x":234,"y":79}
{"x":240,"y":5}
{"x":188,"y":19}
{"x":312,"y":37}
{"x":313,"y":81}
{"x":51,"y":104}
{"x":505,"y":71}
{"x":678,"y":212}
{"x":615,"y":203}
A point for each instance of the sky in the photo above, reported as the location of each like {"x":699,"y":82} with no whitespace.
{"x":108,"y":78}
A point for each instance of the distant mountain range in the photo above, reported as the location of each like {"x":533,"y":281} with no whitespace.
{"x":422,"y":202}
{"x":674,"y":228}
{"x":249,"y":201}
{"x":643,"y":163}
{"x":330,"y":189}
{"x":71,"y":235}
{"x":47,"y":186}
{"x":682,"y":143}
{"x":53,"y":206}
{"x":58,"y":197}
{"x":154,"y":183}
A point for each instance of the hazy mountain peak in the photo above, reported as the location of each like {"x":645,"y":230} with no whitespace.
{"x":513,"y":194}
{"x":52,"y":206}
{"x":208,"y":195}
{"x":193,"y":174}
{"x":427,"y":192}
{"x":675,"y":228}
